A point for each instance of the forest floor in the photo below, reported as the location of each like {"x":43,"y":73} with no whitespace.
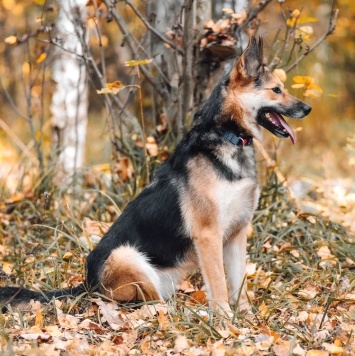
{"x":300,"y":276}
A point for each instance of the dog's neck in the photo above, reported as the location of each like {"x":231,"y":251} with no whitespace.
{"x":237,"y":140}
{"x":234,"y":133}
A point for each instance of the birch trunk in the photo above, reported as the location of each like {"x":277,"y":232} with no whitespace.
{"x":70,"y":99}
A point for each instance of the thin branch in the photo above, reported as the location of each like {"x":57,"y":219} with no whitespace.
{"x":11,"y":102}
{"x":17,"y":141}
{"x":152,"y":29}
{"x":187,"y":62}
{"x":254,"y":11}
{"x":129,"y":39}
{"x":330,"y":30}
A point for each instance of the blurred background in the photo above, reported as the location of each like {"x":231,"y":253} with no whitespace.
{"x":326,"y":138}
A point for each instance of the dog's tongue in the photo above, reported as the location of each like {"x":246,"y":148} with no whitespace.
{"x":281,"y":122}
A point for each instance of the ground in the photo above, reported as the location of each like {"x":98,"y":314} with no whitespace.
{"x":300,"y":276}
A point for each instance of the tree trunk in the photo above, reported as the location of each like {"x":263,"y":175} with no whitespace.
{"x":70,"y":99}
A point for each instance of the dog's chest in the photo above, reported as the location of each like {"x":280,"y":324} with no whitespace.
{"x":236,"y":202}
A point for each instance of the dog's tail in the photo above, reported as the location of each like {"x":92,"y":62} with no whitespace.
{"x":16,"y":296}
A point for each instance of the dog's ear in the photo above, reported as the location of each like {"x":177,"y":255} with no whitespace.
{"x":250,"y":62}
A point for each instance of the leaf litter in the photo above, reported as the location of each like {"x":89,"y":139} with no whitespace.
{"x":300,"y":277}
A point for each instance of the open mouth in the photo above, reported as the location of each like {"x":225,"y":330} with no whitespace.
{"x":276,"y":124}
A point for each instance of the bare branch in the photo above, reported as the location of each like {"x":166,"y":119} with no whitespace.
{"x":187,"y":62}
{"x":129,"y":39}
{"x":255,"y":10}
{"x":152,"y":29}
{"x":330,"y":30}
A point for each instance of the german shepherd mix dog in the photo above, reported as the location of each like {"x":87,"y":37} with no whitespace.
{"x":196,"y":211}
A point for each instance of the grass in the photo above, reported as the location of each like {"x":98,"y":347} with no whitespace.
{"x":300,"y":280}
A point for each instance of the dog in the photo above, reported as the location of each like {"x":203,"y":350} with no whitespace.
{"x":196,"y":211}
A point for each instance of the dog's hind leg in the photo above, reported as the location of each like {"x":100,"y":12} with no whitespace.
{"x":127,"y":275}
{"x":235,"y":261}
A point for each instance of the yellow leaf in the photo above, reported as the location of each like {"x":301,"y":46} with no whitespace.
{"x":297,"y":86}
{"x":296,"y":13}
{"x":39,"y":2}
{"x":115,"y":84}
{"x":306,"y":20}
{"x":138,"y":62}
{"x":291,"y":22}
{"x":280,"y":73}
{"x":41,"y":58}
{"x":315,"y":87}
{"x":111,"y":88}
{"x":302,"y":79}
{"x":11,"y":40}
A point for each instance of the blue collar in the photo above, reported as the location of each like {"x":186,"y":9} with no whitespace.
{"x":237,"y":140}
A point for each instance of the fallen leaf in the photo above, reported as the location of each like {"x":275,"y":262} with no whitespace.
{"x":317,"y":353}
{"x":163,"y":320}
{"x":199,"y":297}
{"x":181,"y":344}
{"x":333,"y":349}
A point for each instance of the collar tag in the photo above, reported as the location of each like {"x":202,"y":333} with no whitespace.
{"x":237,"y":140}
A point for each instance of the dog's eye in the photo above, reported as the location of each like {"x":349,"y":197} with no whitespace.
{"x":276,"y":90}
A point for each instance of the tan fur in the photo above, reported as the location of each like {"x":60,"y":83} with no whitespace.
{"x":123,"y":280}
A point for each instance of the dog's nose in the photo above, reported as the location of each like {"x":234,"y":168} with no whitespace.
{"x":307,"y":109}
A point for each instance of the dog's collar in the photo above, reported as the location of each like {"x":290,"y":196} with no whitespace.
{"x":237,"y":140}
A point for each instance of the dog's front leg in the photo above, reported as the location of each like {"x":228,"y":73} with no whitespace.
{"x":235,"y":261}
{"x":209,"y":248}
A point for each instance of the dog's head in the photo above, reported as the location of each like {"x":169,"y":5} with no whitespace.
{"x":255,"y":97}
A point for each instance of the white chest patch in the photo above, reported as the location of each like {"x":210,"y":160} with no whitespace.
{"x":237,"y":202}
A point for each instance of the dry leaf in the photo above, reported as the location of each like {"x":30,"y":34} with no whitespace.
{"x":263,"y":310}
{"x":163,"y":320}
{"x":138,"y":62}
{"x":199,"y":297}
{"x":41,"y":58}
{"x":11,"y":40}
{"x":317,"y":353}
{"x":333,"y":349}
{"x":181,"y":344}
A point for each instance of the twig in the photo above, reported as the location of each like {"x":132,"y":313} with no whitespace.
{"x":11,"y":102}
{"x":254,"y":11}
{"x":4,"y":126}
{"x":144,"y":135}
{"x":129,"y":38}
{"x":152,"y":29}
{"x":187,"y":63}
{"x":330,"y":30}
